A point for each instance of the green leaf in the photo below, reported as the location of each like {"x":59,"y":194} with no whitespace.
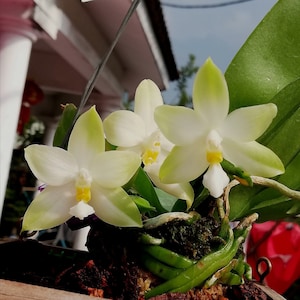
{"x":283,"y":138}
{"x":143,"y":185}
{"x":267,"y":69}
{"x":180,"y":205}
{"x":283,"y":135}
{"x":279,"y":211}
{"x":269,"y":60}
{"x":166,"y":200}
{"x":294,"y":209}
{"x":142,"y":204}
{"x":286,"y":143}
{"x":64,"y":126}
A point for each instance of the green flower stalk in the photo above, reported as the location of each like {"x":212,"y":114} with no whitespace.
{"x":82,"y":180}
{"x":207,"y":134}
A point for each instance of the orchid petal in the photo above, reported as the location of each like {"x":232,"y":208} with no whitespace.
{"x":184,"y":164}
{"x":147,"y":98}
{"x":138,"y":149}
{"x":210,"y":94}
{"x":113,"y":169}
{"x":182,"y":191}
{"x":81,"y":210}
{"x":215,"y":180}
{"x":124,"y":128}
{"x":253,"y":157}
{"x":50,"y":208}
{"x":51,"y":165}
{"x":248,"y":123}
{"x":115,"y":207}
{"x":165,"y":145}
{"x":87,"y":137}
{"x":180,"y":125}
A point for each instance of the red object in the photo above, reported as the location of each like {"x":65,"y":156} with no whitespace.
{"x":280,"y":243}
{"x":32,"y":93}
{"x":31,"y":96}
{"x":24,"y":117}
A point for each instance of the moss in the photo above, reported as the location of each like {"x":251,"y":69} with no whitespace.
{"x":193,"y":240}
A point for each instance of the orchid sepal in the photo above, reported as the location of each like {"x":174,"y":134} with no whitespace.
{"x":210,"y":94}
{"x":87,"y":137}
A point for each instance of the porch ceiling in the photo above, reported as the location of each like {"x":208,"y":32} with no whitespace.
{"x":79,"y":34}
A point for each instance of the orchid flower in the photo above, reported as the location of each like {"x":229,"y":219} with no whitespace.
{"x":138,"y":132}
{"x":207,"y":134}
{"x":82,"y":180}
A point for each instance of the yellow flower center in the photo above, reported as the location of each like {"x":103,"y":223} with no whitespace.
{"x":150,"y":155}
{"x":83,"y":194}
{"x":214,"y":157}
{"x":83,"y":186}
{"x":214,"y":154}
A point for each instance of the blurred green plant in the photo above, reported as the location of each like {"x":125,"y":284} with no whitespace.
{"x":185,"y":73}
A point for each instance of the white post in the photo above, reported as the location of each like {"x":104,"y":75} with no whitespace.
{"x":16,"y":37}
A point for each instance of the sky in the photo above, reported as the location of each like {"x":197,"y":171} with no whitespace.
{"x":215,"y":32}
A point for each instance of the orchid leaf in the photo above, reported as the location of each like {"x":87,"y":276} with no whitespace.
{"x":64,"y":126}
{"x":283,"y":138}
{"x":179,"y":205}
{"x":142,"y":204}
{"x":276,"y":210}
{"x":294,"y":209}
{"x":266,"y":70}
{"x":269,"y":60}
{"x":143,"y":185}
{"x":166,"y":200}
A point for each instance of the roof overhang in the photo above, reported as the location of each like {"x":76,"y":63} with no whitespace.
{"x":76,"y":36}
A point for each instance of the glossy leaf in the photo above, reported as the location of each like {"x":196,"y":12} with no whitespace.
{"x":269,"y":60}
{"x":142,"y":204}
{"x":65,"y":123}
{"x":283,"y":137}
{"x":167,"y":201}
{"x":143,"y":185}
{"x":266,"y":69}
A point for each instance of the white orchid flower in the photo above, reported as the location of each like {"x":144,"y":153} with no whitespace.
{"x":138,"y":132}
{"x":82,"y":180}
{"x":203,"y":136}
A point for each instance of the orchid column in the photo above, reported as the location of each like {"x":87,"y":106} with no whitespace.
{"x":16,"y":37}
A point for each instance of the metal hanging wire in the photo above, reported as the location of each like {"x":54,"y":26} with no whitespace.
{"x":92,"y":81}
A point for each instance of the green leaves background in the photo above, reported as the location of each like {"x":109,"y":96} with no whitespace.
{"x":267,"y":69}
